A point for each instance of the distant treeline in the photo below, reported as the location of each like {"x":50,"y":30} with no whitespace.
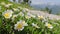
{"x":19,"y":1}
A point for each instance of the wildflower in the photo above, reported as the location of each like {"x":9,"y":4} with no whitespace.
{"x":40,"y":17}
{"x":35,"y":25}
{"x":21,"y":14}
{"x":25,"y":24}
{"x":2,"y":3}
{"x":45,"y":20}
{"x":14,"y":16}
{"x":20,"y":25}
{"x":33,"y":16}
{"x":28,"y":16}
{"x":8,"y":13}
{"x":25,"y":9}
{"x":48,"y":25}
{"x":15,"y":9}
{"x":8,"y":5}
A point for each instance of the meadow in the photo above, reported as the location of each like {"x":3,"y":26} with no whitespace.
{"x":15,"y":19}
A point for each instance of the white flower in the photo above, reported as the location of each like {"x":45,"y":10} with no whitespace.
{"x":15,"y":9}
{"x":14,"y":16}
{"x":21,"y":14}
{"x":48,"y":25}
{"x":7,"y":14}
{"x":23,"y":10}
{"x":45,"y":20}
{"x":26,"y":9}
{"x":35,"y":25}
{"x":8,"y":5}
{"x":40,"y":17}
{"x":20,"y":25}
{"x":20,"y":7}
{"x":33,"y":16}
{"x":2,"y":3}
{"x":23,"y":23}
{"x":28,"y":16}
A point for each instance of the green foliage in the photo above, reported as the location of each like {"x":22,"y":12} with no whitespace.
{"x":58,"y":13}
{"x":26,"y":1}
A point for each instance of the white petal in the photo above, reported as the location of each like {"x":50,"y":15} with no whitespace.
{"x":25,"y":24}
{"x":21,"y":29}
{"x":51,"y":27}
{"x":21,"y":14}
{"x":35,"y":25}
{"x":46,"y":24}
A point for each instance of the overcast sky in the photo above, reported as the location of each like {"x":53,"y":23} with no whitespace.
{"x":51,"y":2}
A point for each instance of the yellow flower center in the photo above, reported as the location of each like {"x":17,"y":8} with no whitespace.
{"x":49,"y":25}
{"x":19,"y":26}
{"x":6,"y":15}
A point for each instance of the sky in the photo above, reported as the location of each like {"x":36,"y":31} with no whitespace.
{"x":51,"y":2}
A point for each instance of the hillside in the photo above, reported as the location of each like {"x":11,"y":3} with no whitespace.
{"x":51,"y":16}
{"x":20,"y":19}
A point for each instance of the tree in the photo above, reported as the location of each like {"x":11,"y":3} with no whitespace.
{"x":14,"y":0}
{"x":25,"y":1}
{"x":48,"y":10}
